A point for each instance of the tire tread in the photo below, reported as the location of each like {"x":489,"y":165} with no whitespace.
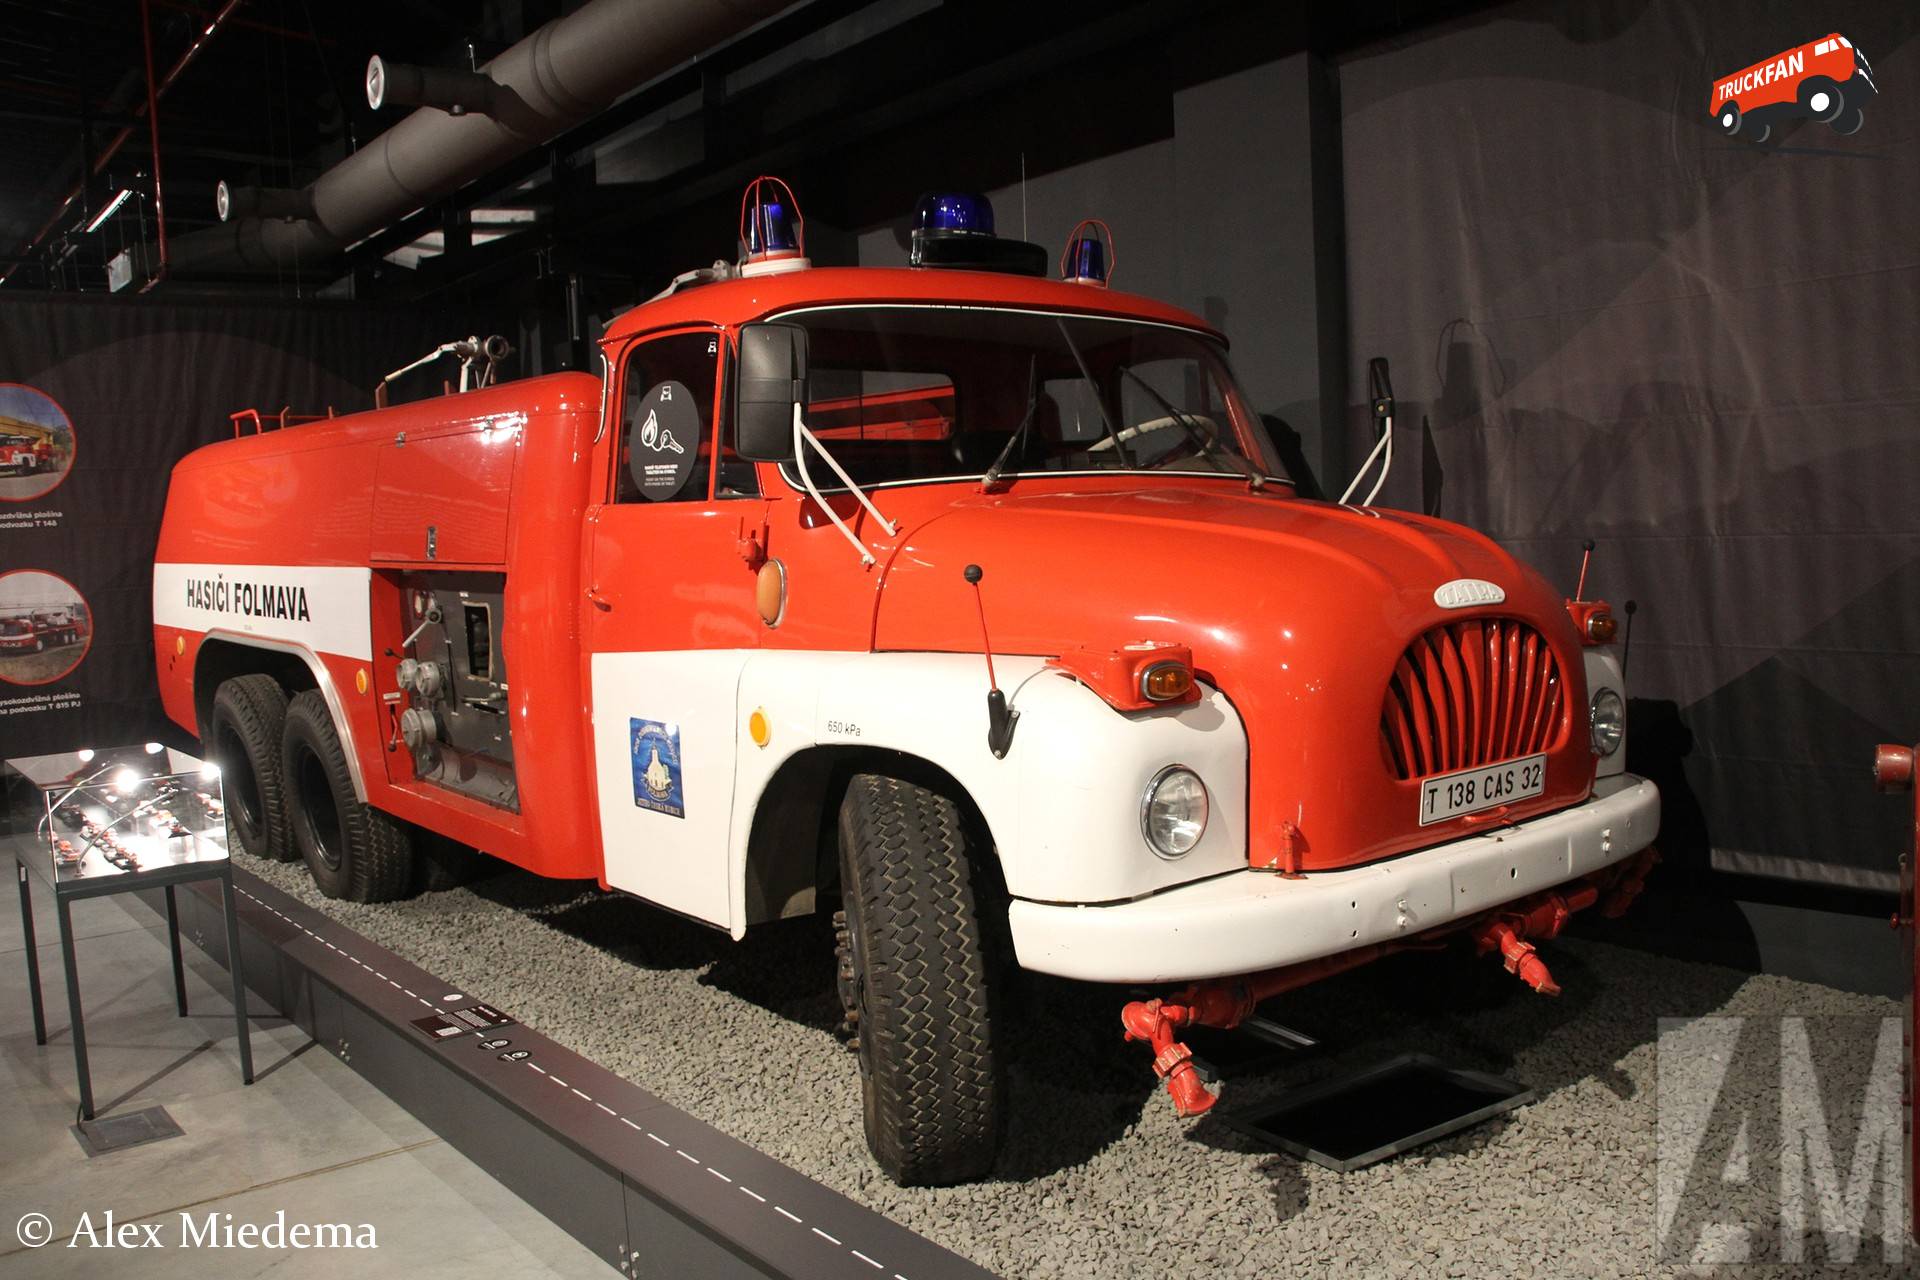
{"x":928,"y":1031}
{"x":257,"y":705}
{"x":377,"y":860}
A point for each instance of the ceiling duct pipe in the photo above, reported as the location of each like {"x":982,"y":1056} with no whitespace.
{"x":262,"y":202}
{"x":451,"y":89}
{"x":562,"y":75}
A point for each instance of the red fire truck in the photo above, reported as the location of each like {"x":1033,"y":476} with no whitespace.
{"x":24,"y":455}
{"x":1825,"y":79}
{"x":40,"y":629}
{"x":969,"y":605}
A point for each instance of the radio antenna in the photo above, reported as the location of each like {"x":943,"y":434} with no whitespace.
{"x":1000,"y":717}
{"x":1586,"y":558}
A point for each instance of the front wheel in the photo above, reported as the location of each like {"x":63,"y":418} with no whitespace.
{"x":915,"y":984}
{"x":353,"y":850}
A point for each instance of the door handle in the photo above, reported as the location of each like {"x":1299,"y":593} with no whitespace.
{"x":599,"y":601}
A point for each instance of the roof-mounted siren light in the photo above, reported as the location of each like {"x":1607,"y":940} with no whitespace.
{"x":955,"y":229}
{"x":1089,"y":257}
{"x":773,"y":234}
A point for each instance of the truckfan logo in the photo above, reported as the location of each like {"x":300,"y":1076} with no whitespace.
{"x":657,"y":777}
{"x":1826,"y":80}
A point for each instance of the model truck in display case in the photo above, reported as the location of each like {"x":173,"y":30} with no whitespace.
{"x":969,"y":605}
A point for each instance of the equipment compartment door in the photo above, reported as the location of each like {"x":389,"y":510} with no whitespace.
{"x":668,"y":623}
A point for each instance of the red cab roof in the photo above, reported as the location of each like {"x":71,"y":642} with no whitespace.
{"x":757,"y":297}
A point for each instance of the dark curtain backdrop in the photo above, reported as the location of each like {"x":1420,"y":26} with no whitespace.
{"x":144,"y":382}
{"x":1607,"y":320}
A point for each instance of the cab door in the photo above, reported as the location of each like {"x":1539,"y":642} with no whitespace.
{"x":667,"y":625}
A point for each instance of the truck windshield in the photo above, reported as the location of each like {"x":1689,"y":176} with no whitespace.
{"x":904,"y":394}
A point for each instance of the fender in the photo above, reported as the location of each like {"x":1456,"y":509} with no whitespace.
{"x":1063,"y":807}
{"x":322,"y":678}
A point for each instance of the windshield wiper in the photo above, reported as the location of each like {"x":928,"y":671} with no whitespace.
{"x":1106,"y":419}
{"x":1019,"y":432}
{"x":1209,"y":446}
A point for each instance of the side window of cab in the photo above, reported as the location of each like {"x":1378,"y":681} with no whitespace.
{"x":667,"y":419}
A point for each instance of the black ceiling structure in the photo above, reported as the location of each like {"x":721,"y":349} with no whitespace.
{"x":271,"y":93}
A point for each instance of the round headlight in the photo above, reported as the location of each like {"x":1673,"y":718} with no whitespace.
{"x":1173,"y":814}
{"x":1609,"y":722}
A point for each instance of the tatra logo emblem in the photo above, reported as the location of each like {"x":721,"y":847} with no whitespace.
{"x":1464,"y":593}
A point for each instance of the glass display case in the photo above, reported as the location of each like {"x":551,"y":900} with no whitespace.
{"x":95,"y":822}
{"x":117,"y":812}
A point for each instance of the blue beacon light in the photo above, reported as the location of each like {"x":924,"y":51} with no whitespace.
{"x":1089,"y":253}
{"x":770,"y":230}
{"x":954,"y":213}
{"x":773,"y":232}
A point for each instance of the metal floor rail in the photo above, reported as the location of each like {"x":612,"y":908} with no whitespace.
{"x":647,"y":1187}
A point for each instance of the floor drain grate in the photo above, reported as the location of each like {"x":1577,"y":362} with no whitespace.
{"x":117,"y":1133}
{"x":1358,"y":1120}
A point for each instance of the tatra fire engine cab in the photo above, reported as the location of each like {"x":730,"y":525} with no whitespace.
{"x":968,"y":605}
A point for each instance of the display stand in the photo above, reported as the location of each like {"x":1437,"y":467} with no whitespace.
{"x":93,"y":823}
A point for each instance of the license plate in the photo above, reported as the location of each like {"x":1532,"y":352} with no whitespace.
{"x":1450,"y":795}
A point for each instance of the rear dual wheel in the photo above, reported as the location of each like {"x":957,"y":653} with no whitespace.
{"x":243,"y":738}
{"x":353,"y":850}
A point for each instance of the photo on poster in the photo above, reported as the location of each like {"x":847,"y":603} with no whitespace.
{"x":46,"y":627}
{"x":36,"y":443}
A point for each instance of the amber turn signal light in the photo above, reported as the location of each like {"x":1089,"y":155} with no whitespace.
{"x":1166,"y":681}
{"x":1593,"y":621}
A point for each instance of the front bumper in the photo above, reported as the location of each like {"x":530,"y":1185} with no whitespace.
{"x":1246,"y":921}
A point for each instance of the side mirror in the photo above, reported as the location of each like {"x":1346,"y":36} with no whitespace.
{"x":771,"y":379}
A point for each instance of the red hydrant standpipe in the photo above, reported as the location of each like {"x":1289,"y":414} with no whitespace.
{"x":1227,"y":1002}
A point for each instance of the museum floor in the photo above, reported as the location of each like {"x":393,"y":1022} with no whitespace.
{"x":310,"y":1137}
{"x":1099,"y":1178}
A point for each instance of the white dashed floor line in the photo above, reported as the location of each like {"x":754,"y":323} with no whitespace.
{"x":684,"y":1155}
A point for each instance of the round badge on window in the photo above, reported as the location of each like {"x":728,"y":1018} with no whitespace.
{"x":665,"y":442}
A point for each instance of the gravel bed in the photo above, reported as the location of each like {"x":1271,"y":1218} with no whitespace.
{"x":1099,"y":1178}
